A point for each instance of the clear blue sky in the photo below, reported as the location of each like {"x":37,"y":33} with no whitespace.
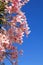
{"x":33,"y":45}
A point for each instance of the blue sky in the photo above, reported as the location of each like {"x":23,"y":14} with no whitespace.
{"x":33,"y":45}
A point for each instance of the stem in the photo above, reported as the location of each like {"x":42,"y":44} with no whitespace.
{"x":9,"y":59}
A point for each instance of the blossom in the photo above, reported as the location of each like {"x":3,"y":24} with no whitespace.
{"x":13,"y":27}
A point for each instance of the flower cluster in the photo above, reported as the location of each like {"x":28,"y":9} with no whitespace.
{"x":13,"y":26}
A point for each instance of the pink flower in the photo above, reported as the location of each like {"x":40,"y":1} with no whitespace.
{"x":13,"y":34}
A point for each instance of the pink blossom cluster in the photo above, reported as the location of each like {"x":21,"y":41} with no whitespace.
{"x":18,"y":27}
{"x":16,"y":32}
{"x":15,"y":5}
